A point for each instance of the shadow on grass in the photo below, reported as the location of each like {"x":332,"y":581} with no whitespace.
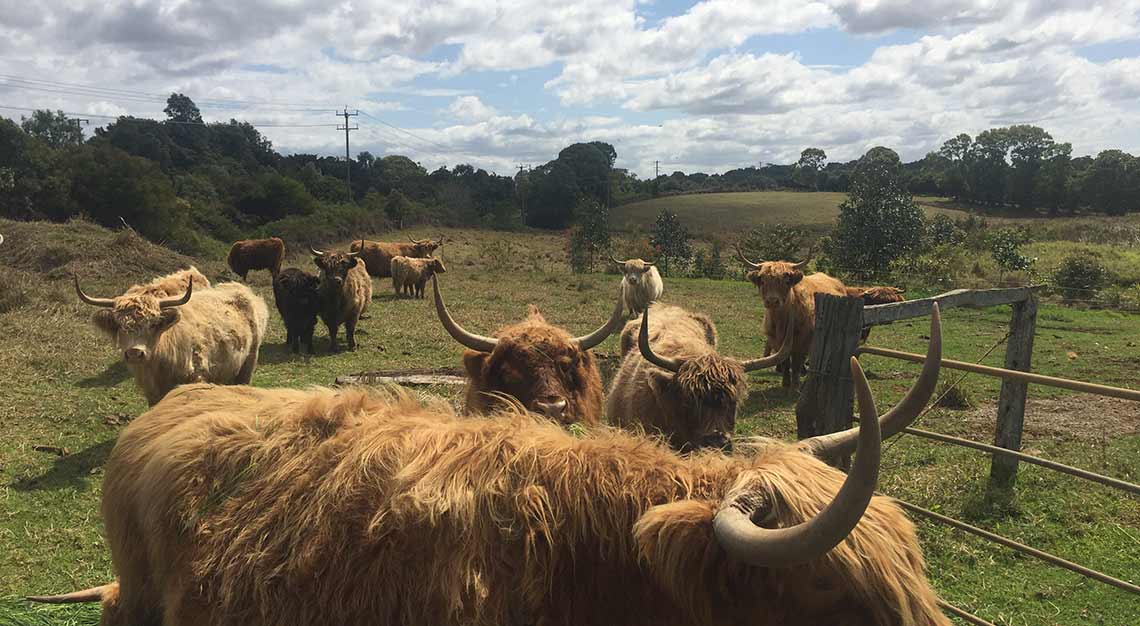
{"x":70,"y":471}
{"x":274,"y":354}
{"x":115,"y":373}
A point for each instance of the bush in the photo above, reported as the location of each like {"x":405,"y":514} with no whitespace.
{"x":710,"y":264}
{"x":942,"y":230}
{"x":1005,"y":246}
{"x":328,"y":223}
{"x":775,"y":242}
{"x":1080,"y":276}
{"x":671,"y":244}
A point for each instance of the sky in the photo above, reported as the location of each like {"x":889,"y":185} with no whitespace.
{"x":705,"y":86}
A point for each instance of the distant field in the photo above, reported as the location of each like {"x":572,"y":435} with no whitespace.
{"x":719,"y":213}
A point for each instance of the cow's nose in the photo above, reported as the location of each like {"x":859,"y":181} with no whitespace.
{"x":553,"y":407}
{"x":135,"y":354}
{"x":718,"y":440}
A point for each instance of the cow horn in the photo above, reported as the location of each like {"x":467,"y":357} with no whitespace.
{"x":802,"y":264}
{"x":754,"y":266}
{"x":94,"y":594}
{"x":744,"y":540}
{"x":903,"y":413}
{"x":616,"y":261}
{"x":103,"y":302}
{"x":752,"y":365}
{"x":357,"y":253}
{"x":471,"y":340}
{"x":167,"y":303}
{"x":316,"y":252}
{"x":663,"y":362}
{"x":617,"y":319}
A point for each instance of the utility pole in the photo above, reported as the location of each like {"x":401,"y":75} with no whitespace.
{"x":79,"y":124}
{"x":347,"y":158}
{"x":656,"y":169}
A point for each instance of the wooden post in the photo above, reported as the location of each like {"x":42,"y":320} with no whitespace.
{"x":828,"y":394}
{"x":1011,"y":402}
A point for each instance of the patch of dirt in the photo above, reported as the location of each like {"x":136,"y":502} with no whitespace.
{"x":1074,"y":418}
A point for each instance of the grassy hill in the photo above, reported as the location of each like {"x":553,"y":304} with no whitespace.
{"x":64,"y":385}
{"x":727,"y":213}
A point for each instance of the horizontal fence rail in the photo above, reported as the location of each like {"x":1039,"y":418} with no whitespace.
{"x":998,"y":372}
{"x":969,"y":617}
{"x":884,"y":313}
{"x":1020,"y":547}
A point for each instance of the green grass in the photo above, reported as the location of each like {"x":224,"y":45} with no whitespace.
{"x":64,"y":386}
{"x":732,"y":213}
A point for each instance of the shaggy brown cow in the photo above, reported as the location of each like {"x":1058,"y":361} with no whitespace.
{"x":298,"y":298}
{"x":788,"y":294}
{"x":256,"y":254}
{"x":378,"y":255}
{"x":345,"y":291}
{"x":537,"y":364}
{"x":875,"y":295}
{"x":680,"y":388}
{"x":208,"y":334}
{"x":240,"y":506}
{"x":410,"y":275}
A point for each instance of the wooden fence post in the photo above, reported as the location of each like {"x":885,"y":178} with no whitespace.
{"x":828,"y":394}
{"x":1011,"y":402}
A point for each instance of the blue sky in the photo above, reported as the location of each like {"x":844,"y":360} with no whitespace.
{"x":708,"y":86}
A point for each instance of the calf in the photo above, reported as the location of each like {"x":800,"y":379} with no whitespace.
{"x":345,"y":290}
{"x":641,"y":284}
{"x":256,"y":254}
{"x":297,"y":295}
{"x":409,"y":274}
{"x":378,"y":255}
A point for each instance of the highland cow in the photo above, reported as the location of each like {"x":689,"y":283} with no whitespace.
{"x":241,"y":506}
{"x":410,"y":275}
{"x":680,"y":388}
{"x":537,"y":364}
{"x":875,"y":295}
{"x":641,"y":285}
{"x":345,"y":291}
{"x":256,"y":254}
{"x":297,"y":295}
{"x":378,"y":255}
{"x":788,"y":294}
{"x":171,"y":334}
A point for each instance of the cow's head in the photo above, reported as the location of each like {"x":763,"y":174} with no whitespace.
{"x":633,"y":269}
{"x":334,"y":266}
{"x":774,"y":279}
{"x":425,"y":247}
{"x":703,"y":390}
{"x":539,"y":365}
{"x":436,"y":267}
{"x":136,"y":321}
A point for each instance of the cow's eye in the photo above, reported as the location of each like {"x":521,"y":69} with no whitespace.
{"x":565,"y":364}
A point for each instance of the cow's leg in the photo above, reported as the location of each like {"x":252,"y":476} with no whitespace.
{"x":309,"y":339}
{"x":245,"y":374}
{"x":290,"y":337}
{"x":796,"y":368}
{"x":350,"y":333}
{"x":332,"y":338}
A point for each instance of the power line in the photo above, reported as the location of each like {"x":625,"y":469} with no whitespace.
{"x":407,"y":132}
{"x":347,"y":158}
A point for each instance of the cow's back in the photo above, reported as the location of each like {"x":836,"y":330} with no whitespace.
{"x":378,"y":255}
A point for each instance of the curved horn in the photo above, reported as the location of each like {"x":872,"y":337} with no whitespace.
{"x":417,"y":241}
{"x":316,"y":252}
{"x":663,"y":362}
{"x":754,"y":266}
{"x":103,"y":302}
{"x":167,"y":303}
{"x":903,"y":413}
{"x":741,"y":537}
{"x":94,"y":594}
{"x":357,"y":253}
{"x":617,"y":319}
{"x":802,"y":264}
{"x":471,"y":340}
{"x":752,"y":365}
{"x":616,"y":261}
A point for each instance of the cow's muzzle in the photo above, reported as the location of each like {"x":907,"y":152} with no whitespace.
{"x":552,"y":407}
{"x":716,"y":440}
{"x":135,"y":354}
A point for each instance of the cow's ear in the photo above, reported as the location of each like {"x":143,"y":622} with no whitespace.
{"x":677,"y":542}
{"x":104,"y":320}
{"x":660,"y":381}
{"x":168,"y":318}
{"x":754,"y":277}
{"x":793,"y":277}
{"x":353,"y":262}
{"x":474,"y":362}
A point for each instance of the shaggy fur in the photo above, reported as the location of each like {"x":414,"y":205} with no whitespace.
{"x":875,"y":295}
{"x":239,"y":506}
{"x":212,"y":338}
{"x":345,"y":291}
{"x":410,"y":275}
{"x":378,"y":255}
{"x":535,"y":362}
{"x":299,"y":302}
{"x":256,"y":254}
{"x":784,"y":287}
{"x":641,"y":286}
{"x":694,"y":408}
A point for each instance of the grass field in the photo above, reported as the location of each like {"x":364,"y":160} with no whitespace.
{"x":64,"y":386}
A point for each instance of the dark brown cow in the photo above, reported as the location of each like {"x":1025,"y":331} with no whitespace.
{"x":535,"y":363}
{"x":256,"y":254}
{"x":345,"y":291}
{"x":378,"y":255}
{"x":297,"y":295}
{"x":875,"y":295}
{"x":236,"y":506}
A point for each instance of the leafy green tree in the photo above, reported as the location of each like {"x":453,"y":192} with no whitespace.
{"x":591,"y":168}
{"x":1005,"y":246}
{"x":180,"y":108}
{"x":774,"y":242}
{"x":671,"y":243}
{"x":271,"y":196}
{"x":112,"y":187}
{"x":1029,"y":147}
{"x":811,"y":163}
{"x":399,"y":208}
{"x":54,"y":129}
{"x":1112,"y":183}
{"x":553,"y":196}
{"x":879,"y":222}
{"x":1054,"y":182}
{"x":590,"y":237}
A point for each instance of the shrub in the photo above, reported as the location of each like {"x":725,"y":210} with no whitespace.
{"x":1080,"y":276}
{"x":952,"y":396}
{"x":328,"y":223}
{"x":671,"y":244}
{"x":775,"y":242}
{"x":710,"y":264}
{"x":942,"y":230}
{"x":1005,"y":246}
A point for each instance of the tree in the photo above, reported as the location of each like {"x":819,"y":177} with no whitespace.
{"x":1029,"y":146}
{"x":591,"y":168}
{"x":111,"y":186}
{"x":1053,"y":186}
{"x":878,"y":222}
{"x":1112,"y":183}
{"x":774,"y":242}
{"x":553,"y":195}
{"x":591,"y":236}
{"x":671,"y":243}
{"x":54,"y":129}
{"x":398,"y":208}
{"x":959,"y":152}
{"x":180,"y":108}
{"x":811,"y":163}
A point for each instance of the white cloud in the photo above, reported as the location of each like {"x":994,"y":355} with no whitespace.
{"x":470,"y":109}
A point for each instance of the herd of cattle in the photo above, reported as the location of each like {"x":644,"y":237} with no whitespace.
{"x":228,"y":504}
